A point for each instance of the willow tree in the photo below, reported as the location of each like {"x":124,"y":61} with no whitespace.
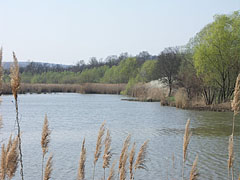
{"x":217,"y":54}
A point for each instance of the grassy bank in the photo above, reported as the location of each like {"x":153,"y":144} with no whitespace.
{"x":88,"y":88}
{"x":147,"y":93}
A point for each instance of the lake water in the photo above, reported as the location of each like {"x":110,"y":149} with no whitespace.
{"x":75,"y":116}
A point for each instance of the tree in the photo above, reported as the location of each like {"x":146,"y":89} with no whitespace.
{"x":148,"y":71}
{"x":217,"y":54}
{"x":168,"y":65}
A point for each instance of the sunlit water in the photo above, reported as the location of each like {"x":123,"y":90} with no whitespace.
{"x":74,"y":116}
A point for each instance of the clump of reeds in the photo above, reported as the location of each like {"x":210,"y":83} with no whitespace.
{"x":194,"y":172}
{"x":107,"y":152}
{"x":9,"y":159}
{"x":124,"y":153}
{"x":48,"y":168}
{"x":186,"y":140}
{"x":45,"y":140}
{"x":15,"y":85}
{"x":98,"y":146}
{"x":81,"y":168}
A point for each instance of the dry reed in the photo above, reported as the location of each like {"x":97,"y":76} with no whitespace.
{"x":48,"y":168}
{"x":3,"y":163}
{"x":186,"y":140}
{"x":236,"y":97}
{"x":141,"y":157}
{"x":1,"y":71}
{"x":124,"y":151}
{"x":230,"y":155}
{"x":107,"y":152}
{"x":131,"y":160}
{"x":81,"y":168}
{"x":112,"y":172}
{"x":98,"y":146}
{"x":123,"y":170}
{"x":194,"y":172}
{"x":12,"y":159}
{"x":15,"y":78}
{"x":15,"y":85}
{"x":45,"y":140}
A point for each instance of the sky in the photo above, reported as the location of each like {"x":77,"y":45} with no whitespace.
{"x":66,"y":31}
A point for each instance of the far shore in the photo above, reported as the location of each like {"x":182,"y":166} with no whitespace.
{"x":101,"y":88}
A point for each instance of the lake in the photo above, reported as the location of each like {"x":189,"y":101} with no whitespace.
{"x":75,"y":116}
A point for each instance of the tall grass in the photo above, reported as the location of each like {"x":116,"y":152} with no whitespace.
{"x":15,"y":85}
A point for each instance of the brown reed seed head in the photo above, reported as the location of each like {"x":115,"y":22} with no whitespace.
{"x":194,"y":172}
{"x":48,"y":168}
{"x":124,"y":151}
{"x":230,"y":152}
{"x":112,"y":172}
{"x":1,"y":122}
{"x":1,"y":70}
{"x":123,"y":171}
{"x":131,"y":160}
{"x":107,"y":151}
{"x":15,"y":78}
{"x":141,"y":157}
{"x":81,"y":169}
{"x":99,"y":143}
{"x":45,"y":136}
{"x":3,"y":163}
{"x":236,"y":97}
{"x":12,"y":158}
{"x":186,"y":140}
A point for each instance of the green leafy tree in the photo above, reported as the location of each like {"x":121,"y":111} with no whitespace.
{"x":217,"y":54}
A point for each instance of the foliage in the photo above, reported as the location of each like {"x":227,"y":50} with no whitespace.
{"x":217,"y":54}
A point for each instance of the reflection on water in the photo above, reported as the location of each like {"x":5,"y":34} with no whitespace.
{"x":74,"y":116}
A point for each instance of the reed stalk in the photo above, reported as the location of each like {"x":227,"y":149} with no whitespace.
{"x":1,"y":71}
{"x":230,"y":156}
{"x":98,"y":146}
{"x":111,"y":175}
{"x":45,"y":140}
{"x":107,"y":152}
{"x":15,"y":85}
{"x":123,"y":152}
{"x":194,"y":172}
{"x":131,"y":160}
{"x":81,"y":169}
{"x":48,"y":168}
{"x":141,"y":157}
{"x":186,"y":140}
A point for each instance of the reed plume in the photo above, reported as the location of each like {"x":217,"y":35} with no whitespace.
{"x":81,"y":169}
{"x":141,"y":157}
{"x":236,"y":97}
{"x":15,"y":85}
{"x":230,"y":155}
{"x":15,"y":78}
{"x":1,"y":71}
{"x":107,"y":152}
{"x":1,"y":122}
{"x":123,"y":152}
{"x":12,"y":158}
{"x":186,"y":140}
{"x":131,"y":160}
{"x":3,"y":163}
{"x":194,"y":172}
{"x":48,"y":168}
{"x":123,"y":170}
{"x":111,"y":175}
{"x":45,"y":140}
{"x":98,"y":146}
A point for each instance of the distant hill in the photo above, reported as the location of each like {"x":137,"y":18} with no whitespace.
{"x":7,"y":65}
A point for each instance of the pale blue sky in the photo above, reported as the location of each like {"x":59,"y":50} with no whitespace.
{"x":65,"y":31}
